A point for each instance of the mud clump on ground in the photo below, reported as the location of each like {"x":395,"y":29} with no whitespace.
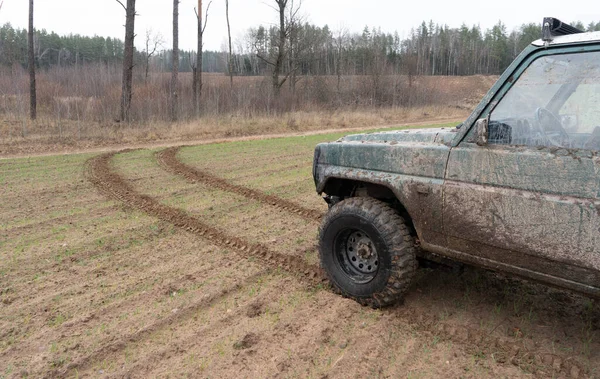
{"x":255,"y":310}
{"x":247,"y":342}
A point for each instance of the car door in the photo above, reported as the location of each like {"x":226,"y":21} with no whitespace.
{"x":529,"y":201}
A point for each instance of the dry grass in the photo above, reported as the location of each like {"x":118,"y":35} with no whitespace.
{"x":47,"y":134}
{"x":79,"y":105}
{"x":91,"y":94}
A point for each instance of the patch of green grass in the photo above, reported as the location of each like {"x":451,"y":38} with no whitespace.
{"x":58,"y":320}
{"x":208,"y":156}
{"x":64,"y":254}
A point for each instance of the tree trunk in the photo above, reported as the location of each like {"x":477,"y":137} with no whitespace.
{"x":229,"y":37}
{"x":31,"y":59}
{"x":280,"y":48}
{"x":198,"y":76}
{"x":194,"y":88}
{"x":147,"y":57}
{"x":292,"y":63}
{"x":338,"y":69}
{"x":175,"y":72}
{"x":126,"y":91}
{"x":147,"y":70}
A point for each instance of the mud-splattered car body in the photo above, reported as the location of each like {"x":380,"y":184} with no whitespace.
{"x":498,"y":191}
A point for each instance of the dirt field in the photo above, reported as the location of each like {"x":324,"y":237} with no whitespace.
{"x":201,"y":261}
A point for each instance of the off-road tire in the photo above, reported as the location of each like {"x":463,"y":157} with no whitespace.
{"x":391,"y":239}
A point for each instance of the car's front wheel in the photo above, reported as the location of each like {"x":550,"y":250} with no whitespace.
{"x":367,"y":251}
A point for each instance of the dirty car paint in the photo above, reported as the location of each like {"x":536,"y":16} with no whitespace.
{"x":532,"y":211}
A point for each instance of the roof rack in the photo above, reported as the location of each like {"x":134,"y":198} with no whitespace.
{"x":553,"y":27}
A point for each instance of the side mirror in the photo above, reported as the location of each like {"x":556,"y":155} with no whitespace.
{"x":482,"y":131}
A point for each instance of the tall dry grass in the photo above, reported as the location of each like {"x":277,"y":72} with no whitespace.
{"x":81,"y":103}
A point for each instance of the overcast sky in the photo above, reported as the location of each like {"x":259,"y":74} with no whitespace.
{"x":106,"y":17}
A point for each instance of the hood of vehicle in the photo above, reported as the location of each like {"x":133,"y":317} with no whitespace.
{"x":432,"y":135}
{"x":421,"y":153}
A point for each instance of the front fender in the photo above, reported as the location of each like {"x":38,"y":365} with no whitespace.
{"x":420,"y":196}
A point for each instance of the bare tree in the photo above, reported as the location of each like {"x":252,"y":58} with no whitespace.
{"x":340,"y":43}
{"x":277,"y":59}
{"x":278,"y":63}
{"x":153,"y":42}
{"x":175,"y":71}
{"x":197,"y":70}
{"x":126,"y":90}
{"x":230,"y":61}
{"x":31,"y":63}
{"x":297,"y":44}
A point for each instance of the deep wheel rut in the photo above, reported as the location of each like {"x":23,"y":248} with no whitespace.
{"x":168,"y":159}
{"x":112,"y":184}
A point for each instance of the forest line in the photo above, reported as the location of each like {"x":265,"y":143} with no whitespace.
{"x":430,"y":49}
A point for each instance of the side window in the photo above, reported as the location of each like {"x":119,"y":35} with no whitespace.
{"x":554,"y":103}
{"x":581,"y":112}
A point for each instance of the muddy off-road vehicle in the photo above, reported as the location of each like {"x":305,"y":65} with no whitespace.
{"x":515,"y":188}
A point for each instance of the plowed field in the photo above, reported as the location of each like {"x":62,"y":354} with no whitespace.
{"x":201,"y":261}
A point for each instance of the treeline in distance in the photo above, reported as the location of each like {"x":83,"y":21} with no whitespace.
{"x":430,"y":49}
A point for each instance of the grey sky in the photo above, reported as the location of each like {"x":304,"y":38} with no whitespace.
{"x":106,"y":17}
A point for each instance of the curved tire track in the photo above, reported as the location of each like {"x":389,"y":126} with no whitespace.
{"x":167,"y":158}
{"x":112,"y":184}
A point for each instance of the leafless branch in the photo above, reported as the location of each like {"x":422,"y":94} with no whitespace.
{"x":265,"y":60}
{"x":206,"y":16}
{"x":154,"y":40}
{"x":293,"y":19}
{"x":294,"y":12}
{"x":272,"y":7}
{"x":46,"y":51}
{"x":124,"y":7}
{"x":279,"y":3}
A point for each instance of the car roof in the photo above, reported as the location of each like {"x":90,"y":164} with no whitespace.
{"x":570,"y":39}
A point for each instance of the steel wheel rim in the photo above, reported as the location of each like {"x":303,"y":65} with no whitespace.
{"x":357,"y":256}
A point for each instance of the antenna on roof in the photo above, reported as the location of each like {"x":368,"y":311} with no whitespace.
{"x":553,"y":27}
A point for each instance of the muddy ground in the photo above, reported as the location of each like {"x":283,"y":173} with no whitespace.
{"x":201,"y":262}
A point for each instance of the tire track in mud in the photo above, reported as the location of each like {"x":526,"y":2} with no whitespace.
{"x":537,"y":360}
{"x":167,"y":159}
{"x":112,"y":184}
{"x":120,"y":344}
{"x":185,"y":344}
